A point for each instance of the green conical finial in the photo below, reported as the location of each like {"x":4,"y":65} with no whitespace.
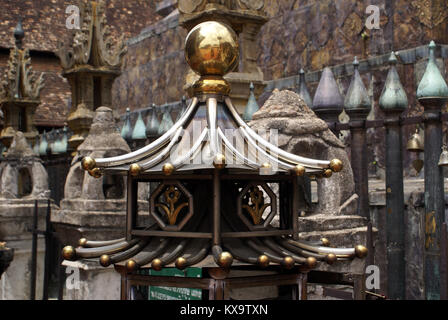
{"x":167,"y":122}
{"x":252,"y":105}
{"x":139,"y":132}
{"x":152,"y":127}
{"x":182,"y":108}
{"x":43,"y":145}
{"x":19,"y":34}
{"x":302,"y":89}
{"x":357,"y":98}
{"x":432,"y":84}
{"x":126,"y":130}
{"x":55,"y":146}
{"x":393,"y":97}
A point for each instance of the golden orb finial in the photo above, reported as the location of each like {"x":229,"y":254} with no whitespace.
{"x":288,"y":262}
{"x":225,"y":259}
{"x":327,"y":173}
{"x":156,"y":264}
{"x":263,"y":261}
{"x":96,"y":173}
{"x":311,"y":262}
{"x":135,"y":169}
{"x":220,"y":161}
{"x":325,"y":242}
{"x":181,"y":263}
{"x":105,"y":260}
{"x":299,"y":170}
{"x":88,"y":163}
{"x":361,"y":251}
{"x":331,"y":258}
{"x":69,"y":253}
{"x":131,"y":265}
{"x":212,"y":50}
{"x":82,"y":242}
{"x":336,"y":165}
{"x":167,"y":169}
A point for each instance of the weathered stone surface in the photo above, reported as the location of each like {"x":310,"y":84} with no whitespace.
{"x":309,"y":136}
{"x":22,"y":164}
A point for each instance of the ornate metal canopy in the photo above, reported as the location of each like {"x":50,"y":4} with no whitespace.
{"x":213,"y":196}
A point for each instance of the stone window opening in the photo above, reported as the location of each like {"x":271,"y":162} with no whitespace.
{"x":25,"y":185}
{"x":113,"y":187}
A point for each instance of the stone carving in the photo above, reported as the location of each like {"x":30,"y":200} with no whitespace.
{"x":431,"y":12}
{"x":91,"y":63}
{"x":22,"y":173}
{"x":19,"y":92}
{"x":92,"y":44}
{"x":300,"y":131}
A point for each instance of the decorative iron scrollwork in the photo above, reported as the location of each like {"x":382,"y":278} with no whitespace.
{"x":172,"y":196}
{"x":252,"y":200}
{"x":169,"y":198}
{"x":258,"y":206}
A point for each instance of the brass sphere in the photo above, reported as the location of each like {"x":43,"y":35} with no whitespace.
{"x":311,"y":262}
{"x":336,"y":165}
{"x":131,"y":265}
{"x":299,"y":170}
{"x":327,"y":173}
{"x":325,"y":242}
{"x":96,"y":173}
{"x":263,"y":261}
{"x":135,"y":169}
{"x":361,"y":251}
{"x":225,"y":259}
{"x":288,"y":263}
{"x":69,"y":253}
{"x":105,"y":260}
{"x":331,"y":258}
{"x":181,"y":263}
{"x":220,"y":161}
{"x":156,"y":264}
{"x":266,"y":165}
{"x":82,"y":242}
{"x":211,"y":48}
{"x":167,"y":169}
{"x":88,"y":163}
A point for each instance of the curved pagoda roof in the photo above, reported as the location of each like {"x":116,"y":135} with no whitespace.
{"x":202,"y":142}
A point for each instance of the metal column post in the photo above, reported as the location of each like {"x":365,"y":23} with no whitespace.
{"x":394,"y":210}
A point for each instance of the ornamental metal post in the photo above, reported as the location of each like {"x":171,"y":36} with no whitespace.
{"x":393,"y":102}
{"x":357,"y":105}
{"x":432,"y":93}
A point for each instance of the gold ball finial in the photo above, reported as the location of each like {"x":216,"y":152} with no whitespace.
{"x":156,"y":264}
{"x":336,"y":165}
{"x":181,"y":263}
{"x":131,"y":265}
{"x":331,"y":258}
{"x":327,"y":173}
{"x":69,"y":253}
{"x":105,"y":260}
{"x":135,"y":169}
{"x":361,"y":251}
{"x":288,"y":262}
{"x":263,"y":261}
{"x":88,"y":163}
{"x":220,"y":161}
{"x":211,"y":48}
{"x":311,"y":262}
{"x":96,"y":173}
{"x":82,"y":242}
{"x":167,"y":169}
{"x":225,"y":259}
{"x":299,"y":170}
{"x":325,"y":242}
